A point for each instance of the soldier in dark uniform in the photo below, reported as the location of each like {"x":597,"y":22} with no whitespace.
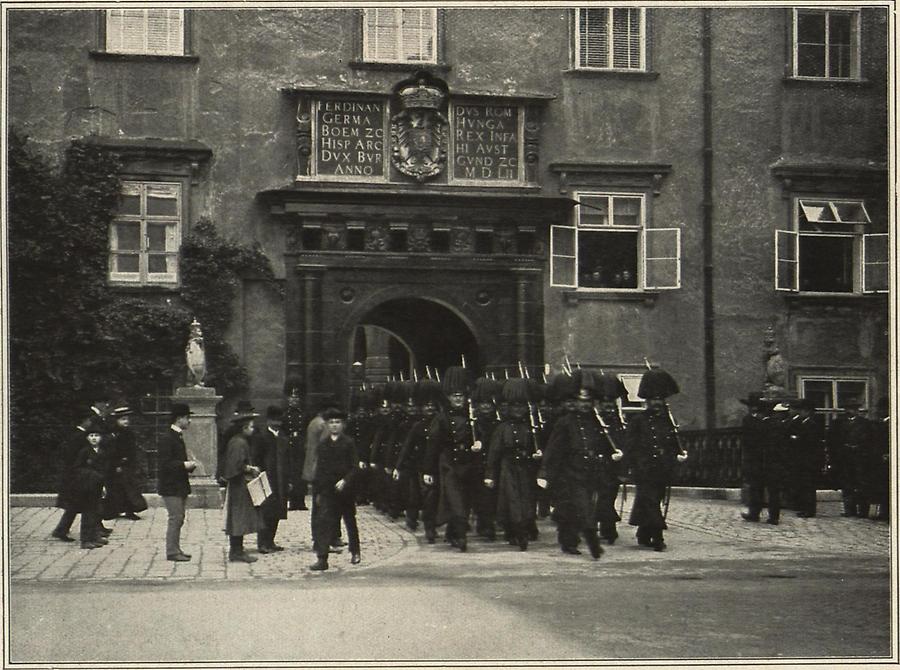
{"x":453,"y":447}
{"x":406,"y":416}
{"x":512,"y":464}
{"x":123,"y":488}
{"x":806,"y":443}
{"x":487,"y":418}
{"x":270,"y":451}
{"x":390,"y":412}
{"x":294,"y":428}
{"x":573,"y":465}
{"x":653,"y":451}
{"x":761,"y":456}
{"x":360,"y":428}
{"x":609,"y":389}
{"x":851,"y":451}
{"x":410,"y":462}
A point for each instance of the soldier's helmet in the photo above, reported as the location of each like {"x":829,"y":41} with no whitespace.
{"x":486,"y":390}
{"x":564,"y":387}
{"x":609,"y":387}
{"x":657,"y":383}
{"x":516,"y":390}
{"x":428,"y":390}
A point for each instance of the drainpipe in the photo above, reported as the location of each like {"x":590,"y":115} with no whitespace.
{"x":709,"y":345}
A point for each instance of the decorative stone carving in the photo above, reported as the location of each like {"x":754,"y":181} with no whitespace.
{"x":195,"y":355}
{"x":776,"y":366}
{"x":377,"y":237}
{"x":504,"y":241}
{"x":418,"y":238}
{"x":334,"y":236}
{"x":462,"y":241}
{"x":419,"y":132}
{"x":304,"y":137}
{"x":532,"y":145}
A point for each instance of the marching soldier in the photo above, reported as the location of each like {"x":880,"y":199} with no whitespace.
{"x":609,"y":389}
{"x":850,"y":450}
{"x":805,"y":439}
{"x":411,"y":462}
{"x":577,"y":452}
{"x":512,"y":461}
{"x":406,"y":415}
{"x":360,"y":428}
{"x":653,"y":450}
{"x":294,"y":427}
{"x":487,"y":419}
{"x":452,"y":445}
{"x":762,"y":458}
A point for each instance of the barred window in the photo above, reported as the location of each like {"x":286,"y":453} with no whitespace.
{"x":610,"y":38}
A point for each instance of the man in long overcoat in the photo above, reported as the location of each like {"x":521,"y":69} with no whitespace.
{"x":806,"y":442}
{"x":123,"y":486}
{"x":271,"y":453}
{"x":851,"y":451}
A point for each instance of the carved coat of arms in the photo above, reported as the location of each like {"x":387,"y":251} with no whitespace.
{"x":419,"y":131}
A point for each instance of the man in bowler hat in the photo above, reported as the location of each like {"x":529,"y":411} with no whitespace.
{"x":173,"y":467}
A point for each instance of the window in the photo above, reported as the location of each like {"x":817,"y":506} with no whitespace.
{"x":831,"y":393}
{"x":609,"y":247}
{"x":610,"y":38}
{"x":146,"y":233}
{"x":395,"y":35}
{"x":826,"y":43}
{"x":145,"y":31}
{"x":828,"y":251}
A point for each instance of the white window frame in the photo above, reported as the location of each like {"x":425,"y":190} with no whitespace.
{"x":641,"y":231}
{"x":787,"y":244}
{"x":371,"y":47}
{"x":117,"y":40}
{"x":143,"y":277}
{"x":855,"y":36}
{"x":642,"y":52}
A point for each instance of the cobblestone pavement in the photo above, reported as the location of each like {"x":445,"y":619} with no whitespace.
{"x":700,"y":530}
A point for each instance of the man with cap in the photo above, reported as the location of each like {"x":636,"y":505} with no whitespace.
{"x":336,"y":467}
{"x":653,"y":451}
{"x":316,"y":431}
{"x":173,"y":467}
{"x":512,"y":464}
{"x":805,"y":440}
{"x":65,"y":498}
{"x":850,"y":448}
{"x":758,"y":452}
{"x":123,"y":488}
{"x":294,"y":426}
{"x":454,"y":449}
{"x":271,"y":453}
{"x":576,"y":456}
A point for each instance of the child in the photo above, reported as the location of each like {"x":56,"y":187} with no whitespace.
{"x":336,"y":464}
{"x":88,"y":469}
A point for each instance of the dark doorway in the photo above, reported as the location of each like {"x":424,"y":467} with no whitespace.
{"x":407,"y":333}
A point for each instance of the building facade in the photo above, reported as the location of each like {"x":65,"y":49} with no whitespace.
{"x":599,"y":184}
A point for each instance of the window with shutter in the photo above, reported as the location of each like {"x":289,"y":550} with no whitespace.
{"x":145,"y":31}
{"x":400,"y":35}
{"x":610,"y":38}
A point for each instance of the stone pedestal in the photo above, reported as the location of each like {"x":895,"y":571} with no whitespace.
{"x":201,"y":440}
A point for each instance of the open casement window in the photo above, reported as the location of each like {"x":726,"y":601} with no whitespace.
{"x":400,"y":35}
{"x":563,"y":256}
{"x":826,"y":43}
{"x":662,"y":258}
{"x":875,"y":263}
{"x":828,"y":252}
{"x":145,"y":31}
{"x":146,"y":234}
{"x":610,"y":38}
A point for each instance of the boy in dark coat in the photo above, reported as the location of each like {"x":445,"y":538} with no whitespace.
{"x":335,"y":469}
{"x":271,"y":453}
{"x":88,"y":470}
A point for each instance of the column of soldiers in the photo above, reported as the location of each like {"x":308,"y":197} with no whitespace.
{"x":487,"y":456}
{"x":788,"y":453}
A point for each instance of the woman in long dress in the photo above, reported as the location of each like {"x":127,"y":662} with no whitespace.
{"x":241,"y":517}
